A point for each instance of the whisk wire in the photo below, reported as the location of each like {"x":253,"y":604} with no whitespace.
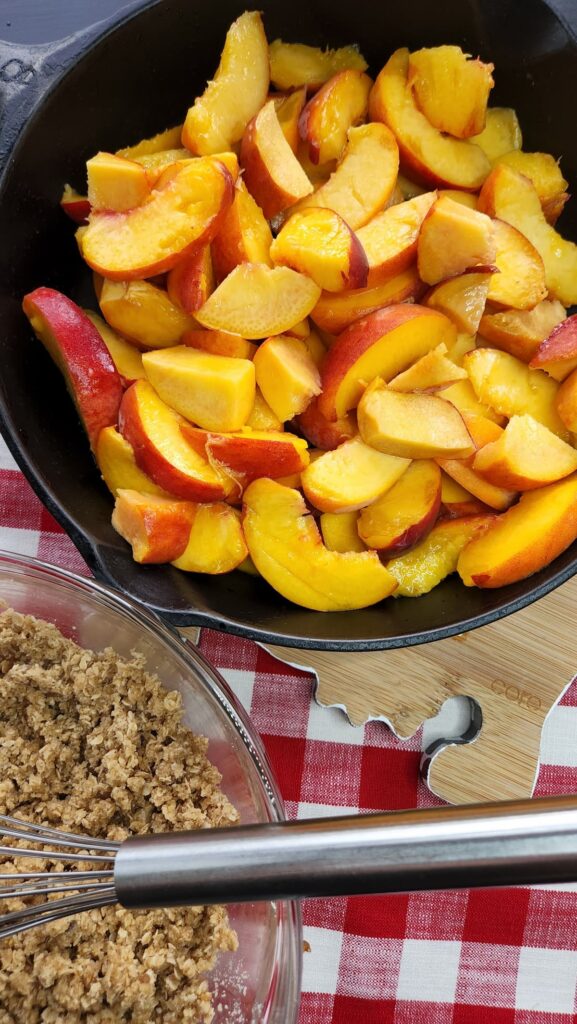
{"x":30,"y":917}
{"x":16,"y":828}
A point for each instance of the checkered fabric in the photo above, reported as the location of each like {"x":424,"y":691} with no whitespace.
{"x":481,"y":957}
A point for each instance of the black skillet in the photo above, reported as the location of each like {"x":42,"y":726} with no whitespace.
{"x":115,"y":84}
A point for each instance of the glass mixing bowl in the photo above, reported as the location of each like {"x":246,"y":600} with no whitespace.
{"x":260,"y":983}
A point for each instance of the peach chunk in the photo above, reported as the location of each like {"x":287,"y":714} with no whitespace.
{"x":286,"y":548}
{"x":511,"y":388}
{"x":512,"y":197}
{"x":350,"y":477}
{"x":256,"y":301}
{"x":216,"y":543}
{"x":526,"y":456}
{"x":300,"y":330}
{"x":155,"y":163}
{"x":450,"y":89}
{"x":567,"y":402}
{"x":175,"y":221}
{"x":405,"y":513}
{"x":426,"y":154}
{"x":238,"y":90}
{"x":464,"y":343}
{"x":453,"y":239}
{"x":126,"y":357}
{"x":286,"y":375}
{"x":115,"y":460}
{"x":244,"y":235}
{"x":425,"y":566}
{"x":390,"y":238}
{"x":431,"y":372}
{"x":152,"y":428}
{"x":191,"y":281}
{"x":314,"y":345}
{"x":75,"y":345}
{"x":323,"y":433}
{"x":520,"y":282}
{"x":462,"y":298}
{"x":144,"y":313}
{"x":463,"y":397}
{"x":220,"y":343}
{"x":115,"y":184}
{"x":318,"y":242}
{"x":288,"y":110}
{"x":215,"y":392}
{"x":295,"y":64}
{"x":483,"y":432}
{"x":411,"y":426}
{"x":545,"y":173}
{"x":523,"y":540}
{"x":501,"y":134}
{"x":364,"y":180}
{"x":341,"y":103}
{"x":520,"y":332}
{"x":380,"y":345}
{"x":339,"y":530}
{"x":156,"y":528}
{"x":75,"y":205}
{"x":557,"y":354}
{"x":335,"y":311}
{"x":168,"y":139}
{"x":456,"y":501}
{"x":245,"y":455}
{"x":272,"y":172}
{"x":261,"y":416}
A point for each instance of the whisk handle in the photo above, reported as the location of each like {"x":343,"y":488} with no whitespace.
{"x":515,"y":843}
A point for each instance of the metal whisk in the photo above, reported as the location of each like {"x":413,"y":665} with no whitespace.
{"x":516,"y":843}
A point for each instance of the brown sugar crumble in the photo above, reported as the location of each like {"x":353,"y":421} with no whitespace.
{"x":92,"y":743}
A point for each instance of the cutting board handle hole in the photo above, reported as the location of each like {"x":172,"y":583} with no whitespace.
{"x":459,"y":721}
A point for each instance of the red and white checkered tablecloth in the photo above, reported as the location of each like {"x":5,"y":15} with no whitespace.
{"x":482,"y":957}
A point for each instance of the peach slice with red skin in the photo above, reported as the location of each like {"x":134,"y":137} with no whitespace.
{"x":176,"y":220}
{"x":483,"y":432}
{"x":191,"y":281}
{"x":453,"y":239}
{"x":527,"y":455}
{"x":557,"y":354}
{"x":116,"y":462}
{"x":323,"y":433}
{"x":126,"y":357}
{"x":220,"y":343}
{"x":75,"y":205}
{"x":244,"y":236}
{"x":339,"y":530}
{"x":427,"y":155}
{"x":80,"y":354}
{"x":216,"y":543}
{"x":462,"y":298}
{"x":272,"y":172}
{"x":411,"y":426}
{"x":334,"y":312}
{"x":286,"y":547}
{"x":238,"y":90}
{"x":286,"y":375}
{"x":451,"y":90}
{"x":116,"y":184}
{"x":520,"y":332}
{"x":567,"y":402}
{"x":288,"y":110}
{"x":143,"y":313}
{"x":390,"y":238}
{"x":318,"y":242}
{"x":436,"y":556}
{"x":379,"y":345}
{"x":156,"y":528}
{"x":261,"y":416}
{"x":296,"y":64}
{"x":350,"y":477}
{"x":511,"y":388}
{"x":520,"y":282}
{"x":501,"y":134}
{"x":152,"y":428}
{"x":523,"y":540}
{"x":545,"y":173}
{"x":338,"y":105}
{"x":249,"y":454}
{"x":431,"y":372}
{"x":457,"y":502}
{"x":405,"y":513}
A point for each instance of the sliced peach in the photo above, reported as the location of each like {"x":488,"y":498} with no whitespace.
{"x":244,"y":236}
{"x":216,"y":542}
{"x":335,"y":312}
{"x":431,"y":372}
{"x":238,"y":90}
{"x":166,"y":174}
{"x":318,"y":174}
{"x":462,"y":298}
{"x":288,"y":110}
{"x":215,"y":392}
{"x":220,"y":343}
{"x":557,"y":354}
{"x":501,"y":134}
{"x":365,"y":178}
{"x":450,"y":89}
{"x":406,"y":512}
{"x":350,"y":477}
{"x":428,"y":155}
{"x":256,"y":301}
{"x":295,"y":64}
{"x":152,"y":428}
{"x":286,"y":375}
{"x":115,"y":184}
{"x":176,"y":220}
{"x":168,"y":139}
{"x":115,"y":459}
{"x":380,"y":345}
{"x":317,"y":242}
{"x":411,"y":426}
{"x":144,"y":313}
{"x":155,"y":163}
{"x":464,"y":343}
{"x":248,"y":454}
{"x":75,"y":345}
{"x":261,"y":416}
{"x":512,"y":197}
{"x":339,"y":105}
{"x":390,"y":238}
{"x":463,"y":397}
{"x":315,"y":346}
{"x":483,"y":431}
{"x":156,"y":528}
{"x":457,"y":502}
{"x":323,"y":433}
{"x":286,"y":547}
{"x":300,"y":330}
{"x":567,"y":402}
{"x":526,"y":456}
{"x":75,"y":205}
{"x":545,"y":173}
{"x":339,"y":530}
{"x":126,"y":357}
{"x":191,"y":281}
{"x":425,"y":566}
{"x":409,"y":189}
{"x":511,"y":388}
{"x":520,"y":282}
{"x":527,"y":538}
{"x":453,"y":239}
{"x":272,"y":172}
{"x":521,"y":332}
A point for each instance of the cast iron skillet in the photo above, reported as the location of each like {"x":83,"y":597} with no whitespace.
{"x":65,"y":102}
